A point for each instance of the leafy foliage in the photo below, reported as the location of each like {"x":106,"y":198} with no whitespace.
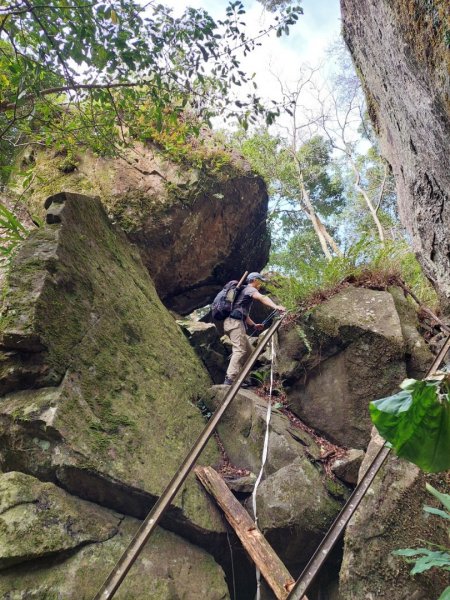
{"x":11,"y":231}
{"x":77,"y":72}
{"x":309,"y":280}
{"x":416,"y":421}
{"x":292,"y":173}
{"x":378,"y":184}
{"x":425,"y":558}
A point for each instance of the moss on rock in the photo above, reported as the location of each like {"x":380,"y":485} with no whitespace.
{"x":391,"y":517}
{"x":84,"y":316}
{"x":356,"y":354}
{"x":38,"y":519}
{"x":166,"y":208}
{"x":68,"y":546}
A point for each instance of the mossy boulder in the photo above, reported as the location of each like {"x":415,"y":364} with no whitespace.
{"x":345,"y":353}
{"x":296,"y":501}
{"x":418,"y":356}
{"x":391,"y":517}
{"x":242,"y":430}
{"x":98,"y":382}
{"x":67,"y":547}
{"x":38,"y":520}
{"x":295,"y":507}
{"x":196,"y":226}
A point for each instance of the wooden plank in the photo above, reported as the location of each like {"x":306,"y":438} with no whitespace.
{"x":260,"y":551}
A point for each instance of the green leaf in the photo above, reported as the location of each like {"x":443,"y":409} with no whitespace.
{"x":445,"y":594}
{"x":444,"y":498}
{"x":416,"y":421}
{"x":427,"y":559}
{"x":437,"y":511}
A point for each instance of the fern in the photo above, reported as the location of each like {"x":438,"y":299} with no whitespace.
{"x":11,"y":231}
{"x":425,"y":558}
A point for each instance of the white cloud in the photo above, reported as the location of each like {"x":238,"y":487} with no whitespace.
{"x":308,"y":41}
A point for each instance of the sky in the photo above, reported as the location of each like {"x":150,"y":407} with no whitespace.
{"x":308,"y":41}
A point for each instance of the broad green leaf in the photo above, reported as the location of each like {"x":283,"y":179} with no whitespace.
{"x":416,"y":421}
{"x":445,"y":594}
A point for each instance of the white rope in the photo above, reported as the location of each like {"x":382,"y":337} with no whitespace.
{"x":264,"y":459}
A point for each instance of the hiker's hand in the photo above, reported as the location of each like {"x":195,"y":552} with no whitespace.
{"x":259,"y":326}
{"x":280,"y":308}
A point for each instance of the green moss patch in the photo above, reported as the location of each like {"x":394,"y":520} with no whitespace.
{"x":128,"y":378}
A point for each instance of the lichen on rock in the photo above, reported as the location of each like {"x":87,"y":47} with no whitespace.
{"x":400,"y":48}
{"x":296,"y":502}
{"x":391,"y":517}
{"x":356,"y":354}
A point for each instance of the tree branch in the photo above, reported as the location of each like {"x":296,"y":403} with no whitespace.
{"x":383,"y":183}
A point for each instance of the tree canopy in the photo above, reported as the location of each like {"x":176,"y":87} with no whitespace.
{"x":90,"y":71}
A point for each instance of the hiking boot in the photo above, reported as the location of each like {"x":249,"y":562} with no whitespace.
{"x":244,"y":385}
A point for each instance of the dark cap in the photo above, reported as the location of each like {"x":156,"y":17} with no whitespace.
{"x":254,"y":276}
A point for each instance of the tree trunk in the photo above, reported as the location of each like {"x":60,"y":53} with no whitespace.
{"x":371,"y":207}
{"x":320,"y":229}
{"x":324,"y":237}
{"x":329,"y":239}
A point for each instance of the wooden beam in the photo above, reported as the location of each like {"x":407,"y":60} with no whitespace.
{"x":260,"y":551}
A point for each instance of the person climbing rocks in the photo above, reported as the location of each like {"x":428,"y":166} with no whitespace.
{"x":234,"y":325}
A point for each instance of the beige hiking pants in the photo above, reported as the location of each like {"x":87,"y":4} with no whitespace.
{"x":235,"y":330}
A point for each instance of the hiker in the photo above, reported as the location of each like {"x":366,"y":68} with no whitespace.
{"x":234,"y":324}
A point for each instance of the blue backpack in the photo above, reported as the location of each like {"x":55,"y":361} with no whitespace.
{"x":222,"y":305}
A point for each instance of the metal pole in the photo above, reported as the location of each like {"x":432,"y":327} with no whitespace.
{"x":334,"y":533}
{"x":336,"y":530}
{"x":148,"y":526}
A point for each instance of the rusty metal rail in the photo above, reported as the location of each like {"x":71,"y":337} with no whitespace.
{"x":337,"y":529}
{"x":148,"y":526}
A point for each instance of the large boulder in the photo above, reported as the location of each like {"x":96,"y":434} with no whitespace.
{"x":296,"y":505}
{"x":391,"y":517}
{"x":418,"y":356}
{"x":53,"y":545}
{"x":195,"y":227}
{"x":343,"y":354}
{"x":296,"y":501}
{"x":39,"y":520}
{"x":400,"y":49}
{"x":98,"y":384}
{"x":242,"y":429}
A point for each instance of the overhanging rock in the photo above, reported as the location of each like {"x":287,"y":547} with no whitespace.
{"x":195,"y":228}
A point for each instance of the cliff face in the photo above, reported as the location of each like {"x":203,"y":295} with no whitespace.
{"x":401,"y":49}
